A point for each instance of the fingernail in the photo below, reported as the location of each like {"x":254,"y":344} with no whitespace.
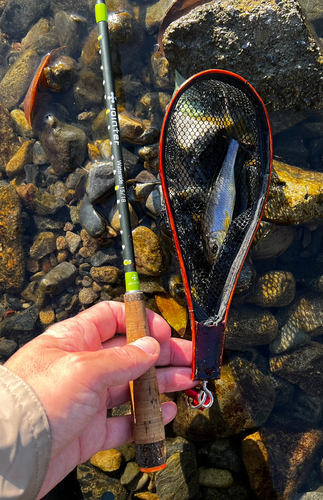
{"x":147,"y":344}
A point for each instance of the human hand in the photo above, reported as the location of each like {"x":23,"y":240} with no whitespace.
{"x":79,"y":369}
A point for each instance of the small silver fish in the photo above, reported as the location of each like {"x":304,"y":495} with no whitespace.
{"x":220,"y":205}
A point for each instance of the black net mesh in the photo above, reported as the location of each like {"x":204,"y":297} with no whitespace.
{"x":205,"y":118}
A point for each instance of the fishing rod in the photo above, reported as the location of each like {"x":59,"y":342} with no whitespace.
{"x":149,"y":431}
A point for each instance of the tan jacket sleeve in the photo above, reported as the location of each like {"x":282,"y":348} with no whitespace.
{"x":25,"y":441}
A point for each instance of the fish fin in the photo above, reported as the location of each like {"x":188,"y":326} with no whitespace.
{"x":179,"y":80}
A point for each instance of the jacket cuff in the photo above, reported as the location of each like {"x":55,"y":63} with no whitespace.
{"x":25,"y":440}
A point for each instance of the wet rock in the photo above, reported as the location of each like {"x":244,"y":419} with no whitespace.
{"x":20,"y":123}
{"x":303,"y":367}
{"x":133,"y":478}
{"x":73,"y":241}
{"x":249,"y":326}
{"x":88,"y":90}
{"x":87,"y":296}
{"x":108,"y":460}
{"x":100,"y":183}
{"x":12,"y":265}
{"x":150,"y":284}
{"x":302,"y":320}
{"x":278,"y":458}
{"x":7,"y":347}
{"x":9,"y":144}
{"x":15,"y":83}
{"x":137,"y":131}
{"x":246,"y":277}
{"x":226,"y":35}
{"x":162,"y":76}
{"x":155,"y":202}
{"x":180,"y":481}
{"x":22,"y":157}
{"x":128,"y":452}
{"x":65,"y":145}
{"x":237,"y":491}
{"x":149,"y":253}
{"x":220,"y":454}
{"x":273,"y":289}
{"x":311,"y":495}
{"x":126,"y":34}
{"x":91,"y":221}
{"x":310,"y":273}
{"x":44,"y":203}
{"x":95,"y":483}
{"x":60,"y":74}
{"x":295,"y":195}
{"x":271,"y":241}
{"x":305,"y":407}
{"x":173,"y":312}
{"x":47,"y":316}
{"x":19,"y":323}
{"x":215,"y":478}
{"x":70,"y":29}
{"x":114,"y":219}
{"x":105,"y":256}
{"x":106,"y":274}
{"x":59,"y":278}
{"x":153,"y":102}
{"x":244,"y":398}
{"x":42,"y":27}
{"x":44,"y":244}
{"x":19,"y":15}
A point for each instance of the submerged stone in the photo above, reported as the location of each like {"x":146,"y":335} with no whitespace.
{"x":12,"y":264}
{"x":273,"y":289}
{"x":58,"y":279}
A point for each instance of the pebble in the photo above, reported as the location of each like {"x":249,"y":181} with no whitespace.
{"x":87,"y":296}
{"x":150,"y":256}
{"x":7,"y":347}
{"x":61,"y":243}
{"x":65,"y":145}
{"x":15,"y":83}
{"x":59,"y":278}
{"x":20,"y":124}
{"x":104,"y":256}
{"x":106,"y":274}
{"x":100,"y":183}
{"x":114,"y":219}
{"x":19,"y":323}
{"x":90,"y":220}
{"x":108,"y":460}
{"x":23,"y":156}
{"x":44,"y":244}
{"x":215,"y":478}
{"x":47,"y":316}
{"x":73,"y":241}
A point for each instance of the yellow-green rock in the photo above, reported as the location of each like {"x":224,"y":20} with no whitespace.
{"x":108,"y":460}
{"x":23,"y":156}
{"x":273,"y":289}
{"x":295,"y":195}
{"x":173,"y":312}
{"x":149,"y":253}
{"x":215,"y":478}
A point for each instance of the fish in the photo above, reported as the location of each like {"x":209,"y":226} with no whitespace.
{"x":196,"y":125}
{"x":37,"y":82}
{"x":220,"y":204}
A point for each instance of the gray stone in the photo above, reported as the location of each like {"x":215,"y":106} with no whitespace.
{"x":100,"y":184}
{"x":59,"y":278}
{"x":90,"y":220}
{"x":310,"y":495}
{"x":242,"y":38}
{"x":19,"y":323}
{"x":7,"y":347}
{"x":220,"y":454}
{"x":105,"y":256}
{"x":19,"y":15}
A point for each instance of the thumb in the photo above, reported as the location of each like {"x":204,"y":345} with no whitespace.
{"x":119,"y":365}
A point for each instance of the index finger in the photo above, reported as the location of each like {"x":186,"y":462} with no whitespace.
{"x":100,"y":322}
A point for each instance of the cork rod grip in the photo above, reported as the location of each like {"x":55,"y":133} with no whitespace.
{"x":149,"y":432}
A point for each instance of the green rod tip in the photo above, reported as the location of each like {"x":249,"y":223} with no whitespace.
{"x":101,"y":13}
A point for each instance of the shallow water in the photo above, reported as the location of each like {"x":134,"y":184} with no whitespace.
{"x":277,"y":309}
